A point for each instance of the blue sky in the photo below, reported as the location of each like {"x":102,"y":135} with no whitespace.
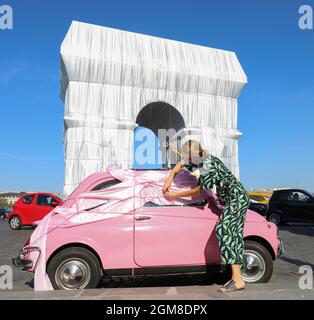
{"x":276,"y":109}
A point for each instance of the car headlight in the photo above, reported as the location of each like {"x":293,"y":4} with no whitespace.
{"x":26,"y":251}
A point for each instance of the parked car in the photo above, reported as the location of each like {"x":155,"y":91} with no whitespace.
{"x":258,"y":207}
{"x":153,"y":239}
{"x":4,"y":212}
{"x":260,"y":197}
{"x":291,"y":205}
{"x":32,"y":207}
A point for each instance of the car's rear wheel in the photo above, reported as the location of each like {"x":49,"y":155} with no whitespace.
{"x":275,"y":218}
{"x":15,"y":223}
{"x":258,"y":263}
{"x":2,"y":216}
{"x":74,"y":268}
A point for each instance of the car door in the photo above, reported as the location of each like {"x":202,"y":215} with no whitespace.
{"x":298,"y":206}
{"x":175,"y":236}
{"x":43,"y":206}
{"x":285,"y":205}
{"x":305,"y":207}
{"x":26,"y":208}
{"x":310,"y":209}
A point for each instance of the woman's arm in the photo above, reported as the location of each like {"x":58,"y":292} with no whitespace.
{"x":170,"y":178}
{"x":191,"y":192}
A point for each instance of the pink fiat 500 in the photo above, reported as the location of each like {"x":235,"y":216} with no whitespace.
{"x":80,"y":247}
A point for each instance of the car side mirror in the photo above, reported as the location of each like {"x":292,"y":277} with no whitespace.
{"x":54,"y":203}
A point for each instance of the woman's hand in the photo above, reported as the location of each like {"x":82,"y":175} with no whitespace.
{"x":172,"y":195}
{"x":220,"y":200}
{"x":170,"y":178}
{"x":192,"y":192}
{"x":165,"y":188}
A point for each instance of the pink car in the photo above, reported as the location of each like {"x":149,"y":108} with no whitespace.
{"x":152,"y":239}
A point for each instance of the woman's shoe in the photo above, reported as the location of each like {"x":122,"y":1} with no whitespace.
{"x":230,"y":286}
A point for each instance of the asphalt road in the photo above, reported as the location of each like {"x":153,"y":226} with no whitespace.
{"x":284,"y":284}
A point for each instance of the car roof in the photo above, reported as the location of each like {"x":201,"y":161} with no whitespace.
{"x":36,"y":193}
{"x":291,"y":189}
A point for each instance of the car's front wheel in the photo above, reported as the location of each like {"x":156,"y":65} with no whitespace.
{"x":258,"y":263}
{"x":15,"y":223}
{"x":74,"y":268}
{"x":275,"y":218}
{"x":2,"y":216}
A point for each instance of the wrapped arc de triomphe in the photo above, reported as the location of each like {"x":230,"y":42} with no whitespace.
{"x":114,"y":81}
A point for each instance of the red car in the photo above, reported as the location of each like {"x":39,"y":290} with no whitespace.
{"x":32,"y":207}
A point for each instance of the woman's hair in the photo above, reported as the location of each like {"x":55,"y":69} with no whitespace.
{"x":192,"y":147}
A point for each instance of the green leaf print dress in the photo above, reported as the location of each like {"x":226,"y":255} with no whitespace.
{"x":233,"y":195}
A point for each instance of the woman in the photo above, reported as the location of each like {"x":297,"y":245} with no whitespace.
{"x":230,"y":192}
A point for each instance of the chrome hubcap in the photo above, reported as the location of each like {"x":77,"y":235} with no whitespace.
{"x":15,"y":223}
{"x":274,"y":218}
{"x":72,"y":274}
{"x":254,"y":266}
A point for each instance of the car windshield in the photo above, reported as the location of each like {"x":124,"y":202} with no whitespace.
{"x":106,"y":184}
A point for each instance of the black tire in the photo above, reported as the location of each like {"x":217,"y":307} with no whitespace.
{"x":256,"y":251}
{"x":82,"y":257}
{"x":2,"y":216}
{"x":275,"y":218}
{"x":15,"y":222}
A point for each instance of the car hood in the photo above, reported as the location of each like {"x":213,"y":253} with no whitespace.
{"x":252,"y":216}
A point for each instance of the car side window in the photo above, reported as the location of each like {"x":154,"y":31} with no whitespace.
{"x":44,"y":200}
{"x":106,"y":184}
{"x":298,"y":196}
{"x":28,"y":199}
{"x":49,"y":200}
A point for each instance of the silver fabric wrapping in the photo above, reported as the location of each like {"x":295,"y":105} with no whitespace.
{"x":109,"y":75}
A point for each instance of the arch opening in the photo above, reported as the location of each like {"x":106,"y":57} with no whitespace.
{"x":158,"y":123}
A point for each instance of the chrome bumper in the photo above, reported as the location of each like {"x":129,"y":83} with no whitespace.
{"x":22,"y":263}
{"x":21,"y":260}
{"x":281,"y":249}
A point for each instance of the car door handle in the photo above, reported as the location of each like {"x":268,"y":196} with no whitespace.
{"x":141,"y":218}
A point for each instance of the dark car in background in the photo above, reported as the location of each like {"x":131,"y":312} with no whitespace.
{"x":4,"y":212}
{"x":291,"y":205}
